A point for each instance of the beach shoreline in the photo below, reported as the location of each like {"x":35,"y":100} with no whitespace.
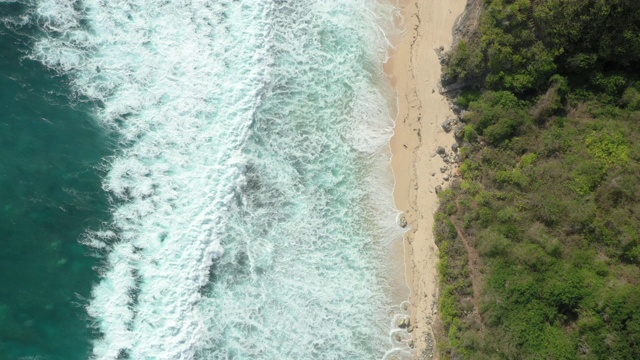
{"x":414,"y":71}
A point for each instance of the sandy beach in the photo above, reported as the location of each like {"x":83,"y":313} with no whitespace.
{"x":414,"y":71}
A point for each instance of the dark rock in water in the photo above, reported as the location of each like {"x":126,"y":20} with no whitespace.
{"x":454,"y":147}
{"x":441,"y":150}
{"x":410,"y":328}
{"x":402,"y":221}
{"x":403,"y":322}
{"x":438,"y":189}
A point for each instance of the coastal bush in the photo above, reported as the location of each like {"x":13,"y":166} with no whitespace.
{"x":591,"y":32}
{"x":520,"y":44}
{"x":631,"y":98}
{"x":549,"y":201}
{"x":465,"y":62}
{"x":467,"y":96}
{"x":497,"y":116}
{"x":552,"y":101}
{"x":528,"y":226}
{"x":470,"y":134}
{"x":609,"y":84}
{"x":608,"y":149}
{"x":503,"y":130}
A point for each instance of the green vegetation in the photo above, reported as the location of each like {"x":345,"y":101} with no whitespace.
{"x":522,"y":43}
{"x":540,"y":239}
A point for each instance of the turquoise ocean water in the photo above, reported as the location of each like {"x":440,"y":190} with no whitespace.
{"x":51,"y":151}
{"x":196,"y":179}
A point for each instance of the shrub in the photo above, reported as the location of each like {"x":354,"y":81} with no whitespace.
{"x":587,"y":176}
{"x":467,"y":96}
{"x":493,"y":244}
{"x":551,"y":101}
{"x":631,"y":99}
{"x":611,"y":85}
{"x":470,"y":134}
{"x":466,"y":62}
{"x":469,"y":169}
{"x":503,"y":130}
{"x":609,"y":149}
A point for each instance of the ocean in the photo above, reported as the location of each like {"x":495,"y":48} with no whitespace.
{"x":197,"y":180}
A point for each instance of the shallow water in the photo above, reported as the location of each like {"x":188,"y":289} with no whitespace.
{"x":252,"y":212}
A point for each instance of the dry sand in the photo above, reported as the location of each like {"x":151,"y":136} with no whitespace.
{"x":415,"y":70}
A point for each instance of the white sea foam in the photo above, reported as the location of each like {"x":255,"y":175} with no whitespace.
{"x":252,"y":126}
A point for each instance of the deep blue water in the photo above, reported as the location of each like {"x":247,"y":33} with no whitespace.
{"x":50,"y":194}
{"x":241,"y":209}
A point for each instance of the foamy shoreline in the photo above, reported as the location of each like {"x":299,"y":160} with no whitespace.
{"x":414,"y":70}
